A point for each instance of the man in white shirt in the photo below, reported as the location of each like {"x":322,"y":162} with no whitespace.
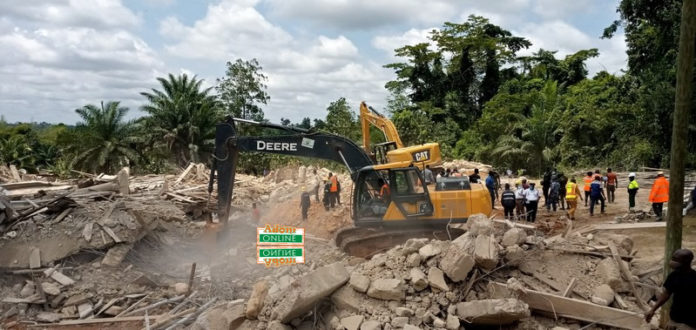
{"x":531,"y":197}
{"x":519,"y":201}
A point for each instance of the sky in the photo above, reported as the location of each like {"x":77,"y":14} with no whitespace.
{"x":57,"y":56}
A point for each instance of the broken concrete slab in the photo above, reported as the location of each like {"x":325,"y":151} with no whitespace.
{"x":359,"y":282}
{"x":456,"y":263}
{"x":411,"y":327}
{"x":48,"y":317}
{"x":58,"y":277}
{"x":256,"y":300}
{"x":352,"y":322}
{"x":414,"y":260}
{"x":436,"y":279}
{"x":603,"y":295}
{"x":399,"y":322}
{"x":387,"y":289}
{"x":478,"y":224}
{"x":608,"y":271}
{"x":50,"y":289}
{"x":514,"y":236}
{"x":77,"y":299}
{"x":418,"y":279}
{"x":493,"y":311}
{"x":429,"y":250}
{"x":514,"y":255}
{"x":403,"y":311}
{"x":35,"y":258}
{"x":452,"y":322}
{"x":371,"y":325}
{"x":486,"y":252}
{"x":116,"y":254}
{"x":223,"y":316}
{"x":308,"y":290}
{"x":413,"y":245}
{"x":345,"y":298}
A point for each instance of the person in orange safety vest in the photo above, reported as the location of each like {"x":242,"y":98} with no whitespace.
{"x":588,"y":181}
{"x":659,"y":194}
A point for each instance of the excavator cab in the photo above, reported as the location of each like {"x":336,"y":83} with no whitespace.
{"x":381,"y":150}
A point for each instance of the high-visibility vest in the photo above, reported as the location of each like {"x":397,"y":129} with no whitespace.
{"x":660,"y":191}
{"x":570,"y":191}
{"x":334,"y":184}
{"x":588,"y":181}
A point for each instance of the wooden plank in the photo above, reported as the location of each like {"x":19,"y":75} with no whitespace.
{"x":62,"y":215}
{"x":514,"y":224}
{"x":96,"y":321}
{"x":183,"y":174}
{"x":558,"y":287}
{"x":574,"y":308}
{"x":181,"y":198}
{"x":111,"y":233}
{"x":591,"y":253}
{"x":637,"y":225}
{"x":58,"y":276}
{"x":570,"y":287}
{"x":35,"y":258}
{"x":627,"y":276}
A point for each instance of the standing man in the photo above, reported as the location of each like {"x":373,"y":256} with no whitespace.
{"x":563,"y":180}
{"x":333,"y":189}
{"x":612,"y":184}
{"x":554,"y":192}
{"x":546,"y":185}
{"x":532,"y":196}
{"x":681,"y":286}
{"x":596,"y":194}
{"x":508,"y":201}
{"x":659,"y":194}
{"x":632,"y":191}
{"x":692,"y":202}
{"x":475,"y":178}
{"x":587,"y":180}
{"x":428,"y":175}
{"x":572,"y":194}
{"x":490,"y":184}
{"x":304,"y":203}
{"x":519,"y":201}
{"x":317,"y":184}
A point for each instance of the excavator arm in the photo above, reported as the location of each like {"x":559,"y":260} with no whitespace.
{"x":293,"y":142}
{"x":369,"y":115}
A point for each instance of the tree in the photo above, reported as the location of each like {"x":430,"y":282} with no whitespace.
{"x":181,"y":119}
{"x":243,"y":89}
{"x":102,"y":141}
{"x":341,"y":120}
{"x":15,"y":150}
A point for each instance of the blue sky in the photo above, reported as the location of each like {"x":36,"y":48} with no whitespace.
{"x":56,"y":56}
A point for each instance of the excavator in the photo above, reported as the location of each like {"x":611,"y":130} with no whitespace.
{"x":393,"y":150}
{"x":382,"y":217}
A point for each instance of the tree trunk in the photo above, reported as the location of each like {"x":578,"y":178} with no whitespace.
{"x":682,"y":105}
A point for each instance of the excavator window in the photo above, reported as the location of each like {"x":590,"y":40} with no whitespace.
{"x":409,"y":194}
{"x":380,"y":151}
{"x":370,"y":200}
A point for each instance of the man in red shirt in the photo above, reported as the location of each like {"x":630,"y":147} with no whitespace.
{"x":612,"y":183}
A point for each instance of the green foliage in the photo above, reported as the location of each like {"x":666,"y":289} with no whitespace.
{"x":242,"y":89}
{"x":102,"y":141}
{"x":181,"y":119}
{"x":341,"y":120}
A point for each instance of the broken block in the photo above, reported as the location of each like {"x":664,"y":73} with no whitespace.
{"x":486,"y":252}
{"x":456,"y":263}
{"x":493,"y":311}
{"x":436,"y":279}
{"x":418,"y":279}
{"x":478,"y":224}
{"x":359,"y":282}
{"x":514,"y":236}
{"x":255,"y":303}
{"x":603,"y":295}
{"x":609,"y":273}
{"x":387,"y":289}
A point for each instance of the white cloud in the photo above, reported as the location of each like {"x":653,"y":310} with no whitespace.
{"x":411,"y":37}
{"x":560,"y":9}
{"x":91,"y":13}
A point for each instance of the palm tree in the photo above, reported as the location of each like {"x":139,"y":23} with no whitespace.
{"x":16,"y":150}
{"x":182,"y":118}
{"x":103,"y":141}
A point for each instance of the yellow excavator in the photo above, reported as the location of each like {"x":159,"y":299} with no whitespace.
{"x":393,"y":151}
{"x":389,"y":202}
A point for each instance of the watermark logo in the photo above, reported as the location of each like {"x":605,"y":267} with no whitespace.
{"x":280,"y":245}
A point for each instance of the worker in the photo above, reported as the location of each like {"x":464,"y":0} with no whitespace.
{"x":384,"y":191}
{"x":327,"y":194}
{"x":490,"y":185}
{"x":428,"y":175}
{"x":545,"y":185}
{"x":531,"y":196}
{"x":333,"y":191}
{"x":304,"y":203}
{"x":587,"y":180}
{"x":317,"y":184}
{"x":632,"y":191}
{"x":692,"y":202}
{"x":612,"y":184}
{"x":255,"y":214}
{"x":681,"y":286}
{"x":553,"y":194}
{"x":572,"y":194}
{"x":596,"y":194}
{"x":563,"y":181}
{"x":496,"y":177}
{"x":507,"y":200}
{"x":455,"y":173}
{"x":519,"y":201}
{"x":448,"y":172}
{"x":475,"y":178}
{"x":659,"y":194}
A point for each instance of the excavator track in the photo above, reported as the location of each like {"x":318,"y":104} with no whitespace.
{"x":365,"y":242}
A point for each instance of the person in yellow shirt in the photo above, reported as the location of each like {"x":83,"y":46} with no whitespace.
{"x":572,"y":194}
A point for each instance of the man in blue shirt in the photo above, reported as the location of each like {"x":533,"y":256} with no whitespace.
{"x":490,"y":184}
{"x":596,"y":194}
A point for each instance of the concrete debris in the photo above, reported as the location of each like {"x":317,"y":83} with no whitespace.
{"x":359,"y":282}
{"x":50,"y":288}
{"x":456,"y":263}
{"x":429,"y":250}
{"x":352,"y":322}
{"x":387,"y":289}
{"x":48,"y":317}
{"x":514,"y":236}
{"x":414,"y":260}
{"x":452,"y":322}
{"x":486,"y":252}
{"x":399,"y":322}
{"x":603,"y":295}
{"x":256,"y":300}
{"x":436,"y":279}
{"x":608,"y":271}
{"x":116,"y":254}
{"x":371,"y":325}
{"x":418,"y":279}
{"x":493,"y":311}
{"x":478,"y":224}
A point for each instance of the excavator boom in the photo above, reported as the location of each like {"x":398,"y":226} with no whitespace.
{"x":369,"y":115}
